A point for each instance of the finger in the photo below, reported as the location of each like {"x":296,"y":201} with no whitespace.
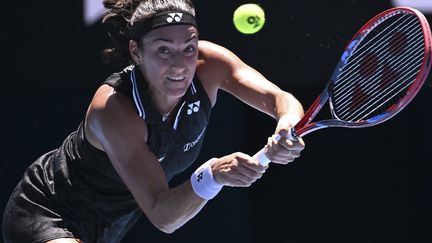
{"x":283,"y":151}
{"x":288,"y":147}
{"x":283,"y":132}
{"x":253,"y":166}
{"x":238,"y":179}
{"x":301,"y":142}
{"x":245,"y":169}
{"x":251,"y":163}
{"x":248,"y":172}
{"x":282,"y":160}
{"x":282,"y":157}
{"x":283,"y":147}
{"x":287,"y":154}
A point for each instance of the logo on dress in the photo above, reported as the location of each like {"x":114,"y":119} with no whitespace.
{"x":174,"y":17}
{"x":192,"y":144}
{"x":194,"y":107}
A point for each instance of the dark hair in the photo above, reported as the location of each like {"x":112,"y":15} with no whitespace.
{"x":121,"y":14}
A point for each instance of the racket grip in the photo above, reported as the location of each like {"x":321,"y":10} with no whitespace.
{"x":261,"y":156}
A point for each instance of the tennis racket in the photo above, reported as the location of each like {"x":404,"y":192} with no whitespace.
{"x":381,"y":70}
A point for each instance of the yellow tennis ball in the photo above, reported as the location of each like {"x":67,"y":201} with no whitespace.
{"x":249,"y":18}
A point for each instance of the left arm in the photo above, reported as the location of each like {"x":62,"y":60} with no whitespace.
{"x":218,"y":68}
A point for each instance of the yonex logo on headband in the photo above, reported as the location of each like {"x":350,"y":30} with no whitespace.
{"x":142,"y":27}
{"x":174,"y":17}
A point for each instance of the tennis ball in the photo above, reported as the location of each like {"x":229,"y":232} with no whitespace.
{"x":249,"y":18}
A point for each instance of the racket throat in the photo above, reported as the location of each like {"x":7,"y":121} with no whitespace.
{"x":292,"y":135}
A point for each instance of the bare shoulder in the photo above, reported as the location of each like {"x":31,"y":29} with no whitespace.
{"x":215,"y":65}
{"x":110,"y":115}
{"x":210,"y":51}
{"x":208,"y":48}
{"x":106,"y":100}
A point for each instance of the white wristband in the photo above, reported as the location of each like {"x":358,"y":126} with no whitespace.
{"x":203,"y":182}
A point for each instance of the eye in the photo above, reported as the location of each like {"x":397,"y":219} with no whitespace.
{"x":163,"y":50}
{"x":190,"y":50}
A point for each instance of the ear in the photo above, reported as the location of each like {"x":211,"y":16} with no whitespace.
{"x":135,"y":51}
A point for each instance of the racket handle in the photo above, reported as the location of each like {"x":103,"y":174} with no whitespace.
{"x":261,"y":156}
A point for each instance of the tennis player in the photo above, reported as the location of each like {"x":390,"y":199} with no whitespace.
{"x":144,"y":125}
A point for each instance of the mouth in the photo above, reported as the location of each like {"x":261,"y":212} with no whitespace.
{"x":176,"y":78}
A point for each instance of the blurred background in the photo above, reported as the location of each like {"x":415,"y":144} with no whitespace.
{"x":349,"y":185}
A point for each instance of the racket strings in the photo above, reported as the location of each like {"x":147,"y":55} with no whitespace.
{"x":388,"y":78}
{"x":360,"y":104}
{"x":368,"y":60}
{"x":358,"y":58}
{"x":377,"y":106}
{"x":384,"y":34}
{"x":341,"y":93}
{"x":374,"y":85}
{"x":372,"y":80}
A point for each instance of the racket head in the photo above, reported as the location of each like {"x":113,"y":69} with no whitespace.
{"x":381,"y":70}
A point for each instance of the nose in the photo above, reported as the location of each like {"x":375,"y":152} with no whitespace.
{"x":178,"y":63}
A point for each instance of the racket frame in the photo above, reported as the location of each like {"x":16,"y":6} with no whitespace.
{"x":306,"y":126}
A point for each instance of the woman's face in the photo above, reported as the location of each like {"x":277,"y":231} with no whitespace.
{"x":169,"y":59}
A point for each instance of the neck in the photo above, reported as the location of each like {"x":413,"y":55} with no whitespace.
{"x":165,"y":105}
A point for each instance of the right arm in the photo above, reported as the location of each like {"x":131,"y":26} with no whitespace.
{"x":113,"y":126}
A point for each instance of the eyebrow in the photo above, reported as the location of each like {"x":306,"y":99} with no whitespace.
{"x":170,"y":41}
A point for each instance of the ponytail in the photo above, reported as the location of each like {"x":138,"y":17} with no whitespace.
{"x":118,"y":14}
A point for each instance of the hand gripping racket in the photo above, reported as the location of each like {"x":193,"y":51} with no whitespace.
{"x":381,"y":70}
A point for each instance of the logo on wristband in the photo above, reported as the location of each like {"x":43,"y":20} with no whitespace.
{"x":200,"y":176}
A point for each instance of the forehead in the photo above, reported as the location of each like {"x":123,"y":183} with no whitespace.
{"x":173,"y":33}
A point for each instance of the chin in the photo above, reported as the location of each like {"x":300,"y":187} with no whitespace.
{"x":179,"y":92}
{"x":178,"y":89}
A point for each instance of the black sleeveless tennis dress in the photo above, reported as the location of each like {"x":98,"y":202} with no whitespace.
{"x":75,"y":192}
